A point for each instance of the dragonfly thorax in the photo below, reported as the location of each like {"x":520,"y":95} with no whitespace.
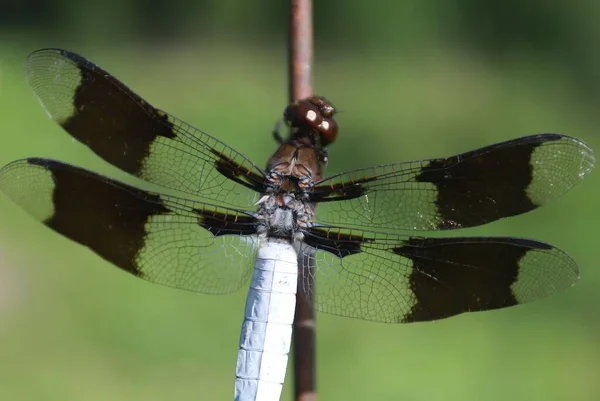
{"x":283,"y":215}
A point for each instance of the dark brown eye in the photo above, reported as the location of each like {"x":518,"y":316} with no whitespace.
{"x":303,"y":114}
{"x":313,"y":113}
{"x":326,"y":108}
{"x":328,"y":130}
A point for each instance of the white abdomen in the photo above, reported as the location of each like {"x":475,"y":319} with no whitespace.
{"x":267,"y":328}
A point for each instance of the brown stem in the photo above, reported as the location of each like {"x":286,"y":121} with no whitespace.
{"x":304,"y":335}
{"x":300,"y":86}
{"x":300,"y":49}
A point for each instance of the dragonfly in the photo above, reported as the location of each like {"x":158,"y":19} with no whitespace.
{"x":219,"y":220}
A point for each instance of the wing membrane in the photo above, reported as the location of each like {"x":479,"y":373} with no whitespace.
{"x":465,"y":190}
{"x":163,"y":239}
{"x":199,"y":246}
{"x":126,"y":131}
{"x":397,"y":279}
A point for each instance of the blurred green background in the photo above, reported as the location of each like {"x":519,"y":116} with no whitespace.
{"x":413,"y":80}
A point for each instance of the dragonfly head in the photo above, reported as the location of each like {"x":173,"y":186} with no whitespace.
{"x":313,"y":115}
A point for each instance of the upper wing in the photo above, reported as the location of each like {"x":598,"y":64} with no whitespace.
{"x":162,"y":239}
{"x":465,"y":190}
{"x":123,"y":129}
{"x":396,"y":279}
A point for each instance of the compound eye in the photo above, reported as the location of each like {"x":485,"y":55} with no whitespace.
{"x":324,"y":106}
{"x":328,"y":130}
{"x":303,"y":114}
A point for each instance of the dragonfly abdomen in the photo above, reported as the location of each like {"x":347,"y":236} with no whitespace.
{"x":267,"y":328}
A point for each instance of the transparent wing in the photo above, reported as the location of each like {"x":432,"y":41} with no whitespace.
{"x":126,"y":131}
{"x":397,"y":279}
{"x":163,"y":239}
{"x":465,"y":190}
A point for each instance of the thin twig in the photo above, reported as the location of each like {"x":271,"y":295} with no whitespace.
{"x":300,"y":86}
{"x":300,"y":49}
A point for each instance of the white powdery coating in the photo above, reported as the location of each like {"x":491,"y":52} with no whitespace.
{"x":267,"y":328}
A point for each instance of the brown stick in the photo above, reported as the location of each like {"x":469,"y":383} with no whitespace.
{"x":300,"y":86}
{"x":300,"y":49}
{"x":304,"y":336}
